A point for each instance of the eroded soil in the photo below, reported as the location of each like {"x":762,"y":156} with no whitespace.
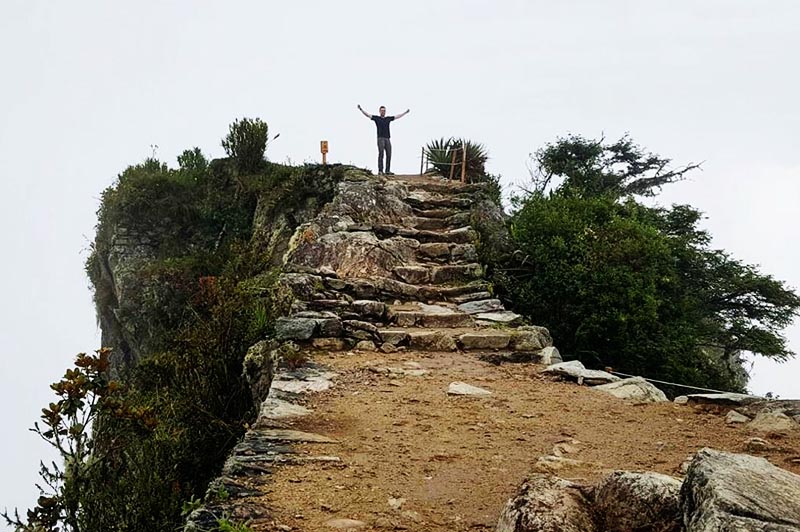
{"x":415,"y":458}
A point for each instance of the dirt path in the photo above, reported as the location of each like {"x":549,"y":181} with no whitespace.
{"x":414,"y":458}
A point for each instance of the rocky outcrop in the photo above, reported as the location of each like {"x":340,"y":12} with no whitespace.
{"x":721,"y":491}
{"x":547,"y":504}
{"x":626,"y":501}
{"x":724,"y":491}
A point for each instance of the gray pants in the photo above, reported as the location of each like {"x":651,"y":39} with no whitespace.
{"x":384,"y":145}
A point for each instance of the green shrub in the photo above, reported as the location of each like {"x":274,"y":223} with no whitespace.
{"x":245,"y":143}
{"x":444,"y":154}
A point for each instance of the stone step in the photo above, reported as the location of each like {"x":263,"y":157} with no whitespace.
{"x":407,"y":318}
{"x":438,"y":212}
{"x":435,"y":320}
{"x":473,"y":296}
{"x":447,"y":252}
{"x":383,"y":289}
{"x":435,"y":224}
{"x":430,"y":201}
{"x":461,"y":235}
{"x":522,"y":340}
{"x":441,"y":274}
{"x":442,"y":186}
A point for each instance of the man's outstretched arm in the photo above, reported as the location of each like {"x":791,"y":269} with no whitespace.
{"x":363,"y":112}
{"x":401,"y":115}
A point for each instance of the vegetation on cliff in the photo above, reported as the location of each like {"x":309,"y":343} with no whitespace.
{"x":633,"y":287}
{"x":182,"y":290}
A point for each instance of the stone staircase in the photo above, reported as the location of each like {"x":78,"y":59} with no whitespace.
{"x":388,"y":265}
{"x":429,"y":295}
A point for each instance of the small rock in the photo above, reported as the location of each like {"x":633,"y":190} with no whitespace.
{"x":396,"y":504}
{"x":561,"y":449}
{"x":345,"y":524}
{"x":735,"y":417}
{"x":365,"y":345}
{"x":386,"y":347}
{"x":552,"y":464}
{"x":681,"y":400}
{"x":329,"y":344}
{"x":460,"y":388}
{"x":412,"y":515}
{"x":774,"y":422}
{"x":756,"y":445}
{"x":549,"y":356}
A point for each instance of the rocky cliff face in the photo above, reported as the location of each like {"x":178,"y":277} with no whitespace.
{"x":125,"y":252}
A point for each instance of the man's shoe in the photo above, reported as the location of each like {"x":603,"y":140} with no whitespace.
{"x":389,"y":173}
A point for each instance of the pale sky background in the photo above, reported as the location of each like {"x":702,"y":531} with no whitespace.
{"x":88,"y":86}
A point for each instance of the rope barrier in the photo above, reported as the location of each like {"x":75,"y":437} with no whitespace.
{"x":679,"y":385}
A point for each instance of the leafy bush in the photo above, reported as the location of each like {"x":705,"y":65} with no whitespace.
{"x":245,"y":143}
{"x":636,"y":288}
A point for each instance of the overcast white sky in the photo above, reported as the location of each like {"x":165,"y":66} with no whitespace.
{"x":88,"y":86}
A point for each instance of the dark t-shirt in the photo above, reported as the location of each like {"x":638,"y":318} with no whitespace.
{"x":382,"y":122}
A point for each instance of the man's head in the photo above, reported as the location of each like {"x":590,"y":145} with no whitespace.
{"x":382,"y":110}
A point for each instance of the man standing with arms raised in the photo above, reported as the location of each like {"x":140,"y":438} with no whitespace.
{"x":384,"y":137}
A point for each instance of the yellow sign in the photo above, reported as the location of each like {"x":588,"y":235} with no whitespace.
{"x":323,"y":146}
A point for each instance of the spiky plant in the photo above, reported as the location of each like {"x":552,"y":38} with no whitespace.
{"x":444,"y":153}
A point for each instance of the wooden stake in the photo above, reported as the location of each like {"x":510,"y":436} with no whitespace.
{"x":452,"y":165}
{"x":421,"y":160}
{"x":463,"y":164}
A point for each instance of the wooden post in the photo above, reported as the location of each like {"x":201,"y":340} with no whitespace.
{"x":452,"y":165}
{"x":323,"y":148}
{"x":463,"y":163}
{"x":421,"y":159}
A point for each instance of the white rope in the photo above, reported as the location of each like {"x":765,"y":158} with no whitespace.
{"x":679,"y":385}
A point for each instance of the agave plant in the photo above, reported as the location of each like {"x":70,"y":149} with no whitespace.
{"x":444,"y":154}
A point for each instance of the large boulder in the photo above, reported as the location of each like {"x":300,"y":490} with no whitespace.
{"x":725,"y":491}
{"x":626,"y":501}
{"x":547,"y":504}
{"x":635,"y":390}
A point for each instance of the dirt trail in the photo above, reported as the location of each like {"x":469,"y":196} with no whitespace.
{"x":414,"y":458}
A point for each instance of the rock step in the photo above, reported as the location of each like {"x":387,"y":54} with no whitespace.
{"x":529,"y":339}
{"x":304,"y":286}
{"x":435,"y":202}
{"x":446,"y":273}
{"x":443,"y":186}
{"x":438,"y":212}
{"x":461,"y":235}
{"x":411,"y":318}
{"x":447,"y":252}
{"x":474,"y":296}
{"x":433,"y":224}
